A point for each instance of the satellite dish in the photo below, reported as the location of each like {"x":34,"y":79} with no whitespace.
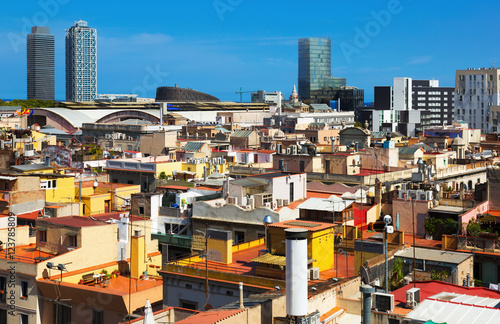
{"x":365,"y":277}
{"x":438,"y":188}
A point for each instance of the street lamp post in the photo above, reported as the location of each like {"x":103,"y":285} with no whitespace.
{"x":267,"y":221}
{"x":388,"y":229}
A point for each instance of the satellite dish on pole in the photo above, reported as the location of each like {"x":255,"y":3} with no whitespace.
{"x":365,"y":277}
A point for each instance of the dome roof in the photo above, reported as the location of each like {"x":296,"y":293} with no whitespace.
{"x":458,"y":141}
{"x":279,"y":134}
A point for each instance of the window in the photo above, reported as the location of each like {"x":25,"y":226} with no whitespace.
{"x":188,"y":304}
{"x":24,"y":289}
{"x":43,"y":236}
{"x":239,"y":237}
{"x":72,"y":240}
{"x":64,"y":314}
{"x":97,"y":317}
{"x":141,"y":210}
{"x":23,"y":318}
{"x":48,"y":184}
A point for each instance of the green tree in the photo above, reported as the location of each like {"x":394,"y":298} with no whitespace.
{"x":473,"y":228}
{"x":397,"y":274}
{"x":439,"y":275}
{"x":163,"y":175}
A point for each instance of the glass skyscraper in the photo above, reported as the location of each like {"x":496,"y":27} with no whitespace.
{"x":81,"y":62}
{"x":40,"y":63}
{"x":315,"y":70}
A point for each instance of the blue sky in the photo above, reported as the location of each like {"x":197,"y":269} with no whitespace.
{"x":218,"y":46}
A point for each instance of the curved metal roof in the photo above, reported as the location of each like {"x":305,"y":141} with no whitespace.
{"x":78,"y":117}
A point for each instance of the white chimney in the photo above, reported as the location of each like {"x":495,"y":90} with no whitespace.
{"x":241,"y":295}
{"x":296,"y":271}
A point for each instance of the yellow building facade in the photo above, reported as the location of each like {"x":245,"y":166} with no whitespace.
{"x":320,"y":241}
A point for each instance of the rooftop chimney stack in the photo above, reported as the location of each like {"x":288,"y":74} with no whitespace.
{"x":296,"y":272}
{"x":241,"y":295}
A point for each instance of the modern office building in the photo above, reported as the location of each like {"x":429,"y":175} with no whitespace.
{"x":393,"y":108}
{"x":476,"y":90}
{"x":315,"y":71}
{"x":343,"y":99}
{"x":266,"y":97}
{"x":81,"y":62}
{"x":434,"y":102}
{"x":40,"y":63}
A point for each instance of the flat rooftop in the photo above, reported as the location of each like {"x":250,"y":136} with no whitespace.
{"x":308,"y":225}
{"x":434,"y":255}
{"x":25,"y":254}
{"x":72,"y":221}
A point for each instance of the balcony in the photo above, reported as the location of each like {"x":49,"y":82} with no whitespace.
{"x":181,"y":241}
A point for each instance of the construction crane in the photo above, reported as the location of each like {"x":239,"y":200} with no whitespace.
{"x":241,"y":92}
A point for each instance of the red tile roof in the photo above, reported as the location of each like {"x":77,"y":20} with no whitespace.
{"x":293,"y":204}
{"x":315,"y":194}
{"x":31,"y":215}
{"x":73,"y":221}
{"x":211,"y":316}
{"x":430,"y":288}
{"x":116,"y":215}
{"x":88,"y":184}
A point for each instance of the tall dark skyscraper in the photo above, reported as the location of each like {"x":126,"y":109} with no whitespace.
{"x":315,"y":70}
{"x":81,"y":62}
{"x":40,"y":63}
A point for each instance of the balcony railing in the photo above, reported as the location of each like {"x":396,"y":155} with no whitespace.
{"x":182,"y":241}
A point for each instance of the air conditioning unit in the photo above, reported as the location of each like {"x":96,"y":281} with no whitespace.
{"x":422,"y":196}
{"x":401,"y":194}
{"x":275,"y":205}
{"x":314,"y":273}
{"x":412,"y":194}
{"x":429,"y":195}
{"x":231,"y":200}
{"x":285,"y":202}
{"x":29,"y":153}
{"x":279,"y":202}
{"x":268,"y":205}
{"x":412,"y":297}
{"x":383,"y":302}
